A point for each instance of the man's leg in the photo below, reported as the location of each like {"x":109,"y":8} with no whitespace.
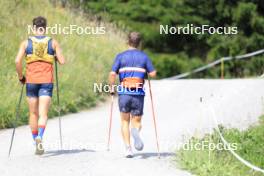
{"x":137,"y":112}
{"x":136,"y":127}
{"x":124,"y":107}
{"x":44,"y":104}
{"x":33,"y":115}
{"x":136,"y":122}
{"x":125,"y":130}
{"x":125,"y":121}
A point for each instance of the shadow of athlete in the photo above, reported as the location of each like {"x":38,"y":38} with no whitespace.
{"x":65,"y":152}
{"x":154,"y":155}
{"x":132,"y":66}
{"x":39,"y":52}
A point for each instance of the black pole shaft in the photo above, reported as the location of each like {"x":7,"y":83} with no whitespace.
{"x":15,"y":123}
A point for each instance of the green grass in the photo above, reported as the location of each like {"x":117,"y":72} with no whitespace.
{"x":222,"y":163}
{"x":88,"y":57}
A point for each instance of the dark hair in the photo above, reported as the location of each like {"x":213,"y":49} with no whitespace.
{"x":134,"y":39}
{"x":40,"y":22}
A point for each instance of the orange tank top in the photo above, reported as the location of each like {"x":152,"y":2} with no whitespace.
{"x":39,"y":72}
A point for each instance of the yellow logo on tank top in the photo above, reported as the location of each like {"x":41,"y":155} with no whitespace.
{"x":40,"y":51}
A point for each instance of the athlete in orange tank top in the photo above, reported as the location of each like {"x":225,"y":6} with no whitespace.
{"x":40,"y":53}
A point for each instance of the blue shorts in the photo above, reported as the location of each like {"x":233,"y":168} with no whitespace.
{"x":133,"y":104}
{"x":37,"y":90}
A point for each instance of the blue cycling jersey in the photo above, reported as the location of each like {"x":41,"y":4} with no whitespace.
{"x":132,"y":63}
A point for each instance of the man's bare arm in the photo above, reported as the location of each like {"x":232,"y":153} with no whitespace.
{"x":19,"y":59}
{"x":112,"y":78}
{"x":58,"y":52}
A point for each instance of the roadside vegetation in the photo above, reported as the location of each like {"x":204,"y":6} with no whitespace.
{"x":221,"y":162}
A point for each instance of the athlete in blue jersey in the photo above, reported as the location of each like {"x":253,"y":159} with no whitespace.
{"x":132,"y":66}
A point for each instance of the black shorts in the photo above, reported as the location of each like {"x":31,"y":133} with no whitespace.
{"x":133,"y":104}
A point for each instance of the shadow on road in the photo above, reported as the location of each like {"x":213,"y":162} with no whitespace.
{"x":65,"y":152}
{"x":150,"y":155}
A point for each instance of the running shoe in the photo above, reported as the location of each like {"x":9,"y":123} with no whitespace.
{"x":138,"y":143}
{"x":129,"y":153}
{"x":39,"y":146}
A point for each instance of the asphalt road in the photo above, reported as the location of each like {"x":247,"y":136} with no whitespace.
{"x":184,"y":109}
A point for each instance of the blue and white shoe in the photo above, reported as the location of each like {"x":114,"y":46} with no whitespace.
{"x":138,"y":143}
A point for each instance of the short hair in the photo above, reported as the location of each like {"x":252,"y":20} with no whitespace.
{"x":134,"y":39}
{"x":40,"y":22}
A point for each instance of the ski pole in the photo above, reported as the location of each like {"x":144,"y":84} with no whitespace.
{"x":110,"y":122}
{"x":154,"y":117}
{"x":58,"y":101}
{"x":17,"y":116}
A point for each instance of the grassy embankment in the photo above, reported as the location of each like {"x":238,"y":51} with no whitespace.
{"x":88,"y":57}
{"x":222,"y":163}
